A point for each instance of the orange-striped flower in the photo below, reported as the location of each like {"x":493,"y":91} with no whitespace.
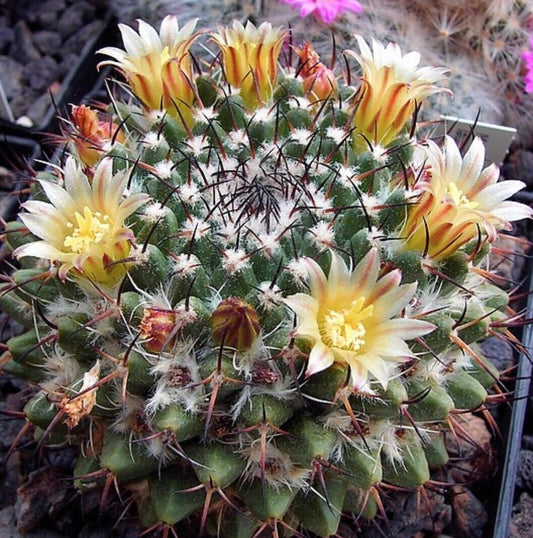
{"x":82,"y":228}
{"x":319,"y":81}
{"x":351,"y":317}
{"x":158,"y":66}
{"x":458,"y":199}
{"x":392,"y":87}
{"x":250,"y":59}
{"x":91,"y":135}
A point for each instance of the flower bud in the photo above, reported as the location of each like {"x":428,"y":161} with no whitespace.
{"x":235,"y":323}
{"x":319,"y":80}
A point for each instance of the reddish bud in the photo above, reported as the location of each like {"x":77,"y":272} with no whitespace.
{"x":318,"y":79}
{"x":92,"y":133}
{"x":235,"y":323}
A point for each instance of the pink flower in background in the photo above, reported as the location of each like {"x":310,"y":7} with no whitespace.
{"x":325,"y":10}
{"x":528,"y":59}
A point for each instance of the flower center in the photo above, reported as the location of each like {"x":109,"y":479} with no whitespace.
{"x":460,"y":199}
{"x":90,"y":228}
{"x":344,"y":329}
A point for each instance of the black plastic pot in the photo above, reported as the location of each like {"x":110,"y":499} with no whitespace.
{"x":506,"y":498}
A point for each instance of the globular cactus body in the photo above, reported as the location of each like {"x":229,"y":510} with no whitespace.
{"x":241,"y":317}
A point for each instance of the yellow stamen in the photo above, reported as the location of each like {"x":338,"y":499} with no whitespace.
{"x":460,"y":199}
{"x":344,"y":329}
{"x":91,"y":228}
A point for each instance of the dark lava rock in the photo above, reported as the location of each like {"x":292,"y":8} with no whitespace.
{"x":527,"y":441}
{"x":524,"y":474}
{"x":522,"y":517}
{"x":48,"y":42}
{"x":469,"y":515}
{"x":40,"y":74}
{"x":6,"y":38}
{"x":73,"y":17}
{"x":22,"y":49}
{"x":409,"y":517}
{"x":39,"y":107}
{"x":43,"y":494}
{"x":67,"y":61}
{"x":11,"y":75}
{"x":23,"y":100}
{"x":499,"y":352}
{"x":49,"y":11}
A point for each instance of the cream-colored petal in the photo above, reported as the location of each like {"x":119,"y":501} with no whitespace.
{"x":149,"y":37}
{"x":385,"y":285}
{"x":493,"y":195}
{"x":302,"y":304}
{"x":390,"y":346}
{"x":39,"y":207}
{"x":382,"y":370}
{"x":404,"y":328}
{"x":320,"y":358}
{"x":77,"y":184}
{"x":168,"y":31}
{"x":454,"y":160}
{"x":472,"y":165}
{"x":339,"y":274}
{"x":394,"y":301}
{"x":358,"y":375}
{"x":114,"y":52}
{"x":366,"y":272}
{"x":44,"y":227}
{"x":510,"y":211}
{"x":131,"y":40}
{"x":131,"y":204}
{"x":106,"y":192}
{"x":318,"y":282}
{"x":59,"y":197}
{"x":306,"y":309}
{"x":38,"y":249}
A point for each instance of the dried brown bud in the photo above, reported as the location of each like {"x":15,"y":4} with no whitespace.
{"x":158,"y":329}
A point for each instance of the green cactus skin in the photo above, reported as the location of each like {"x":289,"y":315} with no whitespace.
{"x":238,"y":438}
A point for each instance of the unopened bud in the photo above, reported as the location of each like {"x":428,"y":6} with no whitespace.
{"x":235,"y":323}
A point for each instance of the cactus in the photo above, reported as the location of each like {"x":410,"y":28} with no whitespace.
{"x":263,"y":298}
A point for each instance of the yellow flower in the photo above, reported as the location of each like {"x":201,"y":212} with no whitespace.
{"x":250,"y":59}
{"x":392,"y":87}
{"x":458,"y":199}
{"x":347,"y":319}
{"x":82,"y":229}
{"x":158,"y":66}
{"x":91,"y":135}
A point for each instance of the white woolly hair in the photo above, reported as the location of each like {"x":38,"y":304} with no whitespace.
{"x":63,"y":306}
{"x":394,"y":447}
{"x":127,"y":413}
{"x":282,"y":471}
{"x":165,"y":394}
{"x":62,"y":370}
{"x":280,"y":389}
